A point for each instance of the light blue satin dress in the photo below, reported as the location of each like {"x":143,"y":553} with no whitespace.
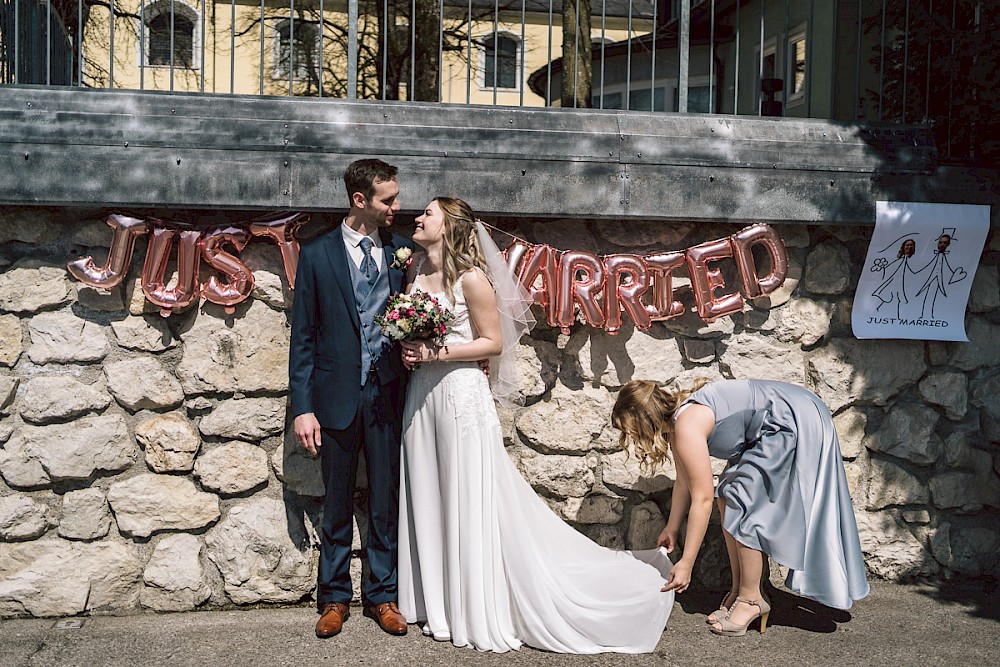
{"x":785,"y":488}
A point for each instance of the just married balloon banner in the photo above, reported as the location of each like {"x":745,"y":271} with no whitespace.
{"x":917,"y":276}
{"x":192,"y":247}
{"x":562,"y":283}
{"x":641,"y":286}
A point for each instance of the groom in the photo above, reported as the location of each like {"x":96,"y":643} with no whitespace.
{"x":345,"y":379}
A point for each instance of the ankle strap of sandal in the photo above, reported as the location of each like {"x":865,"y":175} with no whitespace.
{"x":753,"y":603}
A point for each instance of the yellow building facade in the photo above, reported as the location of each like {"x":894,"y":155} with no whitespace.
{"x":245,"y":48}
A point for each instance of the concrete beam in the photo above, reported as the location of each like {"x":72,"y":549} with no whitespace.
{"x":73,"y":147}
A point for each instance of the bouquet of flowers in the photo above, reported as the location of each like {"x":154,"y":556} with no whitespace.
{"x":414,"y":316}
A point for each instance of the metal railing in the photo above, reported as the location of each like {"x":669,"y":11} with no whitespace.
{"x":895,"y":61}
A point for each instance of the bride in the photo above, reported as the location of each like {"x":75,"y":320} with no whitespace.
{"x":483,"y":561}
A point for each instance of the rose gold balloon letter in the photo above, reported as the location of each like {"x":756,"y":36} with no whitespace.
{"x":154,"y":270}
{"x":743,"y":242}
{"x":625,"y":296}
{"x":705,"y":281}
{"x":514,"y":254}
{"x":240,"y":277}
{"x":582,"y":291}
{"x":540,"y":265}
{"x":126,"y":231}
{"x":661,"y":270}
{"x":282,"y":231}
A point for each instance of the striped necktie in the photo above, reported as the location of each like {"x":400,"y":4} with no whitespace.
{"x":369,"y":269}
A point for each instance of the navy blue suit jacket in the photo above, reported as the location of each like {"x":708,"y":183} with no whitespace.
{"x":324,"y":361}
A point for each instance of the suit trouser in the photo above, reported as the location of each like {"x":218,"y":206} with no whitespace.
{"x":375,"y":432}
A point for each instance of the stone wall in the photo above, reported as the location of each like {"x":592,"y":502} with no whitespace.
{"x":147,"y":463}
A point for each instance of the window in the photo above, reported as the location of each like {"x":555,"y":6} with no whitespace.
{"x":638,"y":99}
{"x":610,"y":101}
{"x":698,"y":99}
{"x":159,"y":29}
{"x":795,"y":80}
{"x":501,"y":55}
{"x":306,"y":47}
{"x":640,"y":95}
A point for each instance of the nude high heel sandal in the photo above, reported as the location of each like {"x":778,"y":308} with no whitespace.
{"x":730,"y":629}
{"x":721,"y":612}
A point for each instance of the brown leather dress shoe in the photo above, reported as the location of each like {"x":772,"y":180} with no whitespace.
{"x":388,"y":617}
{"x":332,"y":619}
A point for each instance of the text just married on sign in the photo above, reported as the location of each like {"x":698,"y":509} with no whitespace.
{"x":915,"y":322}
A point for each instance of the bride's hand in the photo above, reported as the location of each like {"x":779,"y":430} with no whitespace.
{"x":416,"y":351}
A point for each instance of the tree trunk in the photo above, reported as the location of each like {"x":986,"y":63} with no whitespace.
{"x":576,"y":54}
{"x":390,"y":51}
{"x":427,"y":64}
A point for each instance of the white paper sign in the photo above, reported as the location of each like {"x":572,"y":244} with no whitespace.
{"x":916,"y":279}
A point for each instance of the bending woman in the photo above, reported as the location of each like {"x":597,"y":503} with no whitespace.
{"x":783,"y":494}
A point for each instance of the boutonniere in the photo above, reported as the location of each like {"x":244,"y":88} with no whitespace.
{"x":401,"y":258}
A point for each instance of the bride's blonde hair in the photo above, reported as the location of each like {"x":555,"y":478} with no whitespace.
{"x":644,"y":414}
{"x":461,"y":250}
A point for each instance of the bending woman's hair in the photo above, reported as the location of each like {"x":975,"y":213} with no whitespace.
{"x":461,"y":247}
{"x":644,"y":413}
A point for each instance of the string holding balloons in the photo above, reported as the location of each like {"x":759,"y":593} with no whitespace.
{"x":603,"y":288}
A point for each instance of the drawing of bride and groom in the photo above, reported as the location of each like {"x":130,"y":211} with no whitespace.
{"x":900,"y":277}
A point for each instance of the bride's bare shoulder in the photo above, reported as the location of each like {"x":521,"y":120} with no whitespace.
{"x":475,"y":274}
{"x":476,"y":286}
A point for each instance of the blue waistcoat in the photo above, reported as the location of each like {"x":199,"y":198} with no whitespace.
{"x":370,"y":304}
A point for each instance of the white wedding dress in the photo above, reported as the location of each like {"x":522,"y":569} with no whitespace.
{"x":483,"y":561}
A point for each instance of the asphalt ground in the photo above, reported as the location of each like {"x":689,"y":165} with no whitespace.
{"x":955,"y":623}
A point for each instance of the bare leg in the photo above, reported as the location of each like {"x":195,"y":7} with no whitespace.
{"x":751,"y":564}
{"x":734,"y":562}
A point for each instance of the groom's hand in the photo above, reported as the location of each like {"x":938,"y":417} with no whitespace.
{"x":307,"y":432}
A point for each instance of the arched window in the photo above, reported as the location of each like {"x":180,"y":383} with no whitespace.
{"x":159,"y":29}
{"x":306,"y":38}
{"x":501,"y":61}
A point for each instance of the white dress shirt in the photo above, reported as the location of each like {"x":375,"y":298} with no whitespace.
{"x":352,"y":240}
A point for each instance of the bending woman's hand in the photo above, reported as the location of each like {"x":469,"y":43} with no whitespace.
{"x":680,"y":577}
{"x":668,"y":538}
{"x":416,"y":351}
